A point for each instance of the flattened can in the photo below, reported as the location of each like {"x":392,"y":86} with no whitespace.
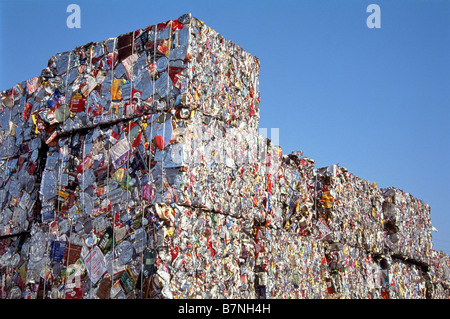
{"x":106,"y":242}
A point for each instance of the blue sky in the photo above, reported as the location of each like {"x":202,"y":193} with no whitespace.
{"x":376,"y":101}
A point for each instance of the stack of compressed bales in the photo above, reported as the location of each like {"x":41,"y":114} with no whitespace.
{"x":133,"y":168}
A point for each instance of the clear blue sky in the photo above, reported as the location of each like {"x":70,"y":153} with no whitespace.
{"x":376,"y":101}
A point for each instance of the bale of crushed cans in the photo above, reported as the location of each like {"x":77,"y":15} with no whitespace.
{"x":133,"y":168}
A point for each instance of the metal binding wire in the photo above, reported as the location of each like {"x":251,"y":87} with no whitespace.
{"x":112,"y":210}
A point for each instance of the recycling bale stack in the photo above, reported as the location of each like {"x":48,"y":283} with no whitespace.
{"x":20,"y":170}
{"x":322,"y":228}
{"x":133,"y":168}
{"x":408,"y":226}
{"x":438,"y":276}
{"x":20,"y":167}
{"x":349,"y":209}
{"x":119,"y":118}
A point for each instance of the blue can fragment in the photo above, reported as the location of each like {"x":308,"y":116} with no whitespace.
{"x":57,"y":250}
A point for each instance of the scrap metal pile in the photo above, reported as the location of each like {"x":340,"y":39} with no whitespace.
{"x":133,"y":168}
